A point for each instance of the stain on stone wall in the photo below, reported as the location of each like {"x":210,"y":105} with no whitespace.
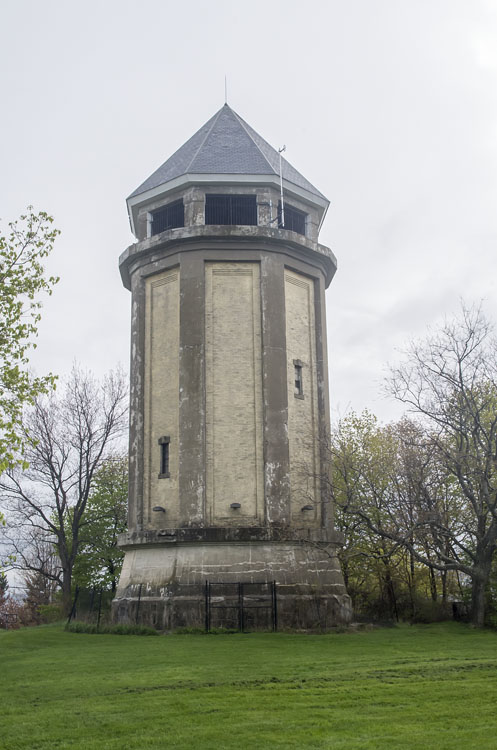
{"x":234,"y":463}
{"x":161,"y":397}
{"x":303,"y":428}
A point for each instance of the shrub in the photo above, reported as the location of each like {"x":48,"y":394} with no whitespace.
{"x":427,"y":611}
{"x":50,"y":613}
{"x":84,"y":627}
{"x":223,"y":631}
{"x":202,"y":631}
{"x":189,"y":631}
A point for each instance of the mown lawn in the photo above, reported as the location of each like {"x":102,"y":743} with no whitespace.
{"x":407,"y":687}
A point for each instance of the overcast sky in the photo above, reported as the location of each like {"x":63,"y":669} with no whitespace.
{"x":389,"y":107}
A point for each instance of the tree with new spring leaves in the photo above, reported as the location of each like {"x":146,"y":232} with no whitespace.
{"x":430,"y":486}
{"x":390,"y":487}
{"x":22,"y":281}
{"x":99,"y":559}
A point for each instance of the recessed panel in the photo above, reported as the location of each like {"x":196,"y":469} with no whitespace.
{"x":303,"y":428}
{"x":234,"y":469}
{"x":161,"y":400}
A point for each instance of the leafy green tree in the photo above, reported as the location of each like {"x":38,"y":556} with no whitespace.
{"x":99,"y":559}
{"x":22,"y":280}
{"x":392,"y":496}
{"x":40,"y":592}
{"x":364,"y":455}
{"x":430,"y":487}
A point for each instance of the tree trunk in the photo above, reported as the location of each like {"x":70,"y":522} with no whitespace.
{"x":444,"y":587}
{"x":433,"y":585}
{"x":478,"y":603}
{"x":66,"y":592}
{"x":390,"y":589}
{"x":411,"y":583}
{"x":478,"y":591}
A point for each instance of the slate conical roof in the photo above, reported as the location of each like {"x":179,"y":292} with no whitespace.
{"x":226,"y":144}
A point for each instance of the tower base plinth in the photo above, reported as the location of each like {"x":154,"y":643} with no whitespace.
{"x":250,"y":585}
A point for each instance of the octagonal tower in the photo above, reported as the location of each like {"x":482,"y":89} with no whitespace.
{"x":229,"y":387}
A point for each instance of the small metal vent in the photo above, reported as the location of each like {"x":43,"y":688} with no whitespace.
{"x":231,"y":209}
{"x":169,"y":217}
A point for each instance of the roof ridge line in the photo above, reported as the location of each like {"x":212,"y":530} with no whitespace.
{"x":244,"y":126}
{"x":214,"y":120}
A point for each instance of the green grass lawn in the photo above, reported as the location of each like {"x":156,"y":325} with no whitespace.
{"x":408,"y":687}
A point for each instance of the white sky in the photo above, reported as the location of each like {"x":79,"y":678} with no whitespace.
{"x":389,"y":107}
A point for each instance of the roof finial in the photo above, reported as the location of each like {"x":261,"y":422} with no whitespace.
{"x":225,"y":89}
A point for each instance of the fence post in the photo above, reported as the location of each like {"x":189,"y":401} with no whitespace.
{"x":99,"y":609}
{"x":92,"y":601}
{"x":207,"y":607}
{"x":241,"y":622}
{"x":73,"y":608}
{"x":138,"y":603}
{"x":275,"y":609}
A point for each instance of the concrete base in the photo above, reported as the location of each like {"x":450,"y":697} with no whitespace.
{"x":164,"y":585}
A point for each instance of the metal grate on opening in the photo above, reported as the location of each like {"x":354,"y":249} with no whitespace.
{"x":294,"y":219}
{"x":169,"y":217}
{"x":231,"y":209}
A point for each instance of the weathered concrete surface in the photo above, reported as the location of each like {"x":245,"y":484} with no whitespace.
{"x":274,"y":368}
{"x":273,"y":240}
{"x":161,"y":412}
{"x":309,"y":583}
{"x":235,"y":533}
{"x":191,"y":390}
{"x":212,"y":368}
{"x":218,"y":391}
{"x":233,"y":394}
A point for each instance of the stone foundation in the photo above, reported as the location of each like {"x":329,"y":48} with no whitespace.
{"x":165,"y":585}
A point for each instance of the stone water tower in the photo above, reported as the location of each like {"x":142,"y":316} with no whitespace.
{"x":229,"y":388}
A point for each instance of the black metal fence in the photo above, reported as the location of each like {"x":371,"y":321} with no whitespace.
{"x":91,"y":605}
{"x":241,"y":606}
{"x":228,"y":605}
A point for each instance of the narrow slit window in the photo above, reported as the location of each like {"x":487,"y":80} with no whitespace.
{"x":298,"y":383}
{"x":164,"y":457}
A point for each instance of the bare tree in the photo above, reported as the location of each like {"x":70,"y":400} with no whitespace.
{"x":449,"y":380}
{"x":67,"y":438}
{"x":4,"y":587}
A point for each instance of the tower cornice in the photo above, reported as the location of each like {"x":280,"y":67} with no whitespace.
{"x":265,"y":239}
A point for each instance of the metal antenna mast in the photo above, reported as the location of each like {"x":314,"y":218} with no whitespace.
{"x":225,"y":90}
{"x":280,"y":151}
